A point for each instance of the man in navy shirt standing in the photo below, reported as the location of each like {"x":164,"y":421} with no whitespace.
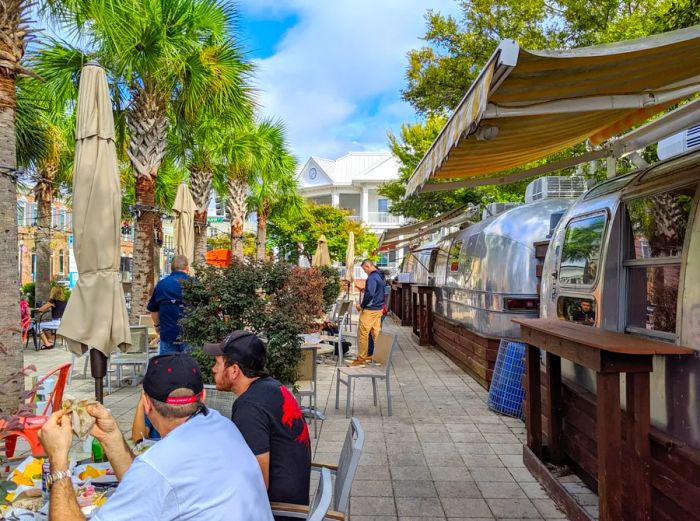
{"x":370,"y":310}
{"x":166,"y":307}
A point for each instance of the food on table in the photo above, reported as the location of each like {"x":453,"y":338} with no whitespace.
{"x":81,"y":420}
{"x":91,"y":472}
{"x":30,"y":499}
{"x":87,"y":496}
{"x":27,"y":474}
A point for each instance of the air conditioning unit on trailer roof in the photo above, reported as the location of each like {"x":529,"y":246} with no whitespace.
{"x":492,"y":209}
{"x":679,"y":143}
{"x":555,"y":187}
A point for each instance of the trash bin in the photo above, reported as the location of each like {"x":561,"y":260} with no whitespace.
{"x":506,"y":392}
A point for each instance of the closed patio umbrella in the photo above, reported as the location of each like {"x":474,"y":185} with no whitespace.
{"x":184,"y":209}
{"x":321,"y":257}
{"x":95,"y":317}
{"x":350,"y":262}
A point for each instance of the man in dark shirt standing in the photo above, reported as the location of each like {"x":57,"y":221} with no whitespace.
{"x":166,"y":307}
{"x":370,"y":309}
{"x":267,"y":415}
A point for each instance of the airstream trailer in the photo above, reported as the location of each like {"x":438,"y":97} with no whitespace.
{"x":626,"y":258}
{"x":485,"y":275}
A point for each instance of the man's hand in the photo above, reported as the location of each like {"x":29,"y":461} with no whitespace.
{"x":358,"y":307}
{"x":106,"y":429}
{"x":56,"y":437}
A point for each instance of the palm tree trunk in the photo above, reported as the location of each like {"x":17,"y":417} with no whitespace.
{"x":43,"y":195}
{"x":236,"y":202}
{"x":148,"y":126}
{"x":200,"y":187}
{"x":143,"y":279}
{"x":261,"y":238}
{"x":11,"y":357}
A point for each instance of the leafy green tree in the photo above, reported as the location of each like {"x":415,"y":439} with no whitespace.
{"x":299,"y":235}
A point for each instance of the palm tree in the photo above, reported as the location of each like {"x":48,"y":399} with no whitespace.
{"x":49,"y":157}
{"x":14,"y":33}
{"x":243,"y":150}
{"x":274,"y":186}
{"x":159,"y":53}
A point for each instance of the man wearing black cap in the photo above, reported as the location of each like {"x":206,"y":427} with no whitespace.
{"x":183,"y":476}
{"x":267,"y":415}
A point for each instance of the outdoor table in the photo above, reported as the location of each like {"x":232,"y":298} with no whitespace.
{"x":608,"y":354}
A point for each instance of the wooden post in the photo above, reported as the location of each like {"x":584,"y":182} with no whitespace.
{"x":533,"y":411}
{"x":638,"y":419}
{"x":415,"y":311}
{"x":554,"y":410}
{"x":429,"y":316}
{"x":609,"y":430}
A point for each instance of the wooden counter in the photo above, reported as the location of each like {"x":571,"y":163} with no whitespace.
{"x":608,"y":354}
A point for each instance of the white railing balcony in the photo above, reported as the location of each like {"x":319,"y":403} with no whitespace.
{"x":382,"y":218}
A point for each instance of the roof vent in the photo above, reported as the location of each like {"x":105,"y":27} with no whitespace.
{"x":555,"y":187}
{"x":679,"y":143}
{"x":492,"y":209}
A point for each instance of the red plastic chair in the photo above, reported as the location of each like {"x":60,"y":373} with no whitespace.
{"x":28,"y":426}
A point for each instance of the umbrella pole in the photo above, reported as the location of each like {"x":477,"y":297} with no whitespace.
{"x":98,"y":368}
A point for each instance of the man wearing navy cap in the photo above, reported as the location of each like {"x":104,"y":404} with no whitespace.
{"x":183,"y":476}
{"x":267,"y":415}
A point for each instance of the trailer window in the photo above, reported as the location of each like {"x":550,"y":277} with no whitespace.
{"x":453,"y":260}
{"x":580,"y":257}
{"x":577,"y":309}
{"x":656,"y":227}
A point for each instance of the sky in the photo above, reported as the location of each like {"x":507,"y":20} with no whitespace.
{"x":333,"y":70}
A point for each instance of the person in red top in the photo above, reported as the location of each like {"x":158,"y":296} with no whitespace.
{"x":267,"y":415}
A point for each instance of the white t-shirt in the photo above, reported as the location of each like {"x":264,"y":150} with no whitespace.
{"x":202,"y":470}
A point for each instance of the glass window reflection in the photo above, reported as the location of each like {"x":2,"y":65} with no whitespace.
{"x":580,"y":257}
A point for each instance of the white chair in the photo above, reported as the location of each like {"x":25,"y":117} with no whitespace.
{"x":319,"y":506}
{"x":345,"y":471}
{"x":381,"y":370}
{"x":137,"y":356}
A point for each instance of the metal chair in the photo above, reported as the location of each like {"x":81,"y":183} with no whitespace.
{"x":137,"y":356}
{"x":147,"y":321}
{"x":306,"y":382}
{"x":319,"y":506}
{"x":345,"y":471}
{"x":383,"y":351}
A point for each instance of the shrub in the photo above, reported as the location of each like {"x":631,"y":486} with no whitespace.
{"x":278,"y":302}
{"x":331,"y":290}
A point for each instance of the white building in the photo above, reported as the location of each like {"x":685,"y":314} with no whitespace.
{"x":351,"y":182}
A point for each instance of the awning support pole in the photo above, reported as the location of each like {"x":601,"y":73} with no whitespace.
{"x":611,"y":163}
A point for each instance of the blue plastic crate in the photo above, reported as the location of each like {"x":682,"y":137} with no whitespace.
{"x":506,"y":392}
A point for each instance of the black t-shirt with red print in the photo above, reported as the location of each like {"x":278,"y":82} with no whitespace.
{"x":270,"y":419}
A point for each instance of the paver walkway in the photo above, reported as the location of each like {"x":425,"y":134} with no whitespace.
{"x":442,"y":455}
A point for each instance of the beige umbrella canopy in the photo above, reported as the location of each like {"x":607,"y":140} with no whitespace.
{"x":350,"y":261}
{"x":96,"y":316}
{"x":184,"y":209}
{"x":321,"y":257}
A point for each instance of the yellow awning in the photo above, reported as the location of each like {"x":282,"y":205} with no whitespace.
{"x":526,"y":105}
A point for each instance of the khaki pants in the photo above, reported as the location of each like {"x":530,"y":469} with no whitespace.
{"x":370,"y":322}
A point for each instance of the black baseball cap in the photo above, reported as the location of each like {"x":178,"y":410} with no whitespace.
{"x":172,"y":371}
{"x":243,"y":348}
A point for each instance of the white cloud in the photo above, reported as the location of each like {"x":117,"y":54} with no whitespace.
{"x":336,"y":75}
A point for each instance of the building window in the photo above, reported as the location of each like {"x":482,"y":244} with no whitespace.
{"x":20,"y":213}
{"x":580,"y":257}
{"x":656,"y":228}
{"x":61,"y":219}
{"x":61,"y":262}
{"x":383,"y":205}
{"x":34,"y":266}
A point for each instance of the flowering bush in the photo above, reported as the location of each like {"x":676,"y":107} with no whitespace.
{"x":278,"y":302}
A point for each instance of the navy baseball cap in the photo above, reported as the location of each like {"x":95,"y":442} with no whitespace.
{"x":243,"y":348}
{"x":169,"y":372}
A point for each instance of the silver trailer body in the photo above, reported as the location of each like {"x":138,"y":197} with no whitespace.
{"x":480,"y":270}
{"x":626,"y":258}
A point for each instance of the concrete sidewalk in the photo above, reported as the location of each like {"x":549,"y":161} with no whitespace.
{"x":442,"y":455}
